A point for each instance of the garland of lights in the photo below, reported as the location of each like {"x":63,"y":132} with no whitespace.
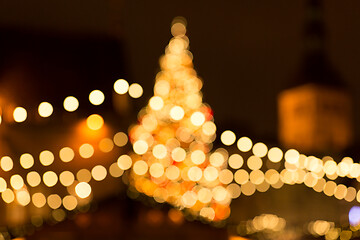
{"x":172,"y":159}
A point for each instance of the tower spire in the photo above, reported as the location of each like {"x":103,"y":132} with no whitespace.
{"x":315,"y":66}
{"x":315,"y":116}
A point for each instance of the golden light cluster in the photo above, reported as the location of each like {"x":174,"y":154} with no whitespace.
{"x":173,"y":161}
{"x":23,"y":189}
{"x":257,"y":168}
{"x":267,"y":223}
{"x":271,"y":225}
{"x":328,"y":230}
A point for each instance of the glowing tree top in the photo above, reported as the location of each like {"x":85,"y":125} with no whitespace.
{"x":173,"y":139}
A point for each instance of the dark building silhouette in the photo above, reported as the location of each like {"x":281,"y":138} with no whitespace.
{"x":315,"y":115}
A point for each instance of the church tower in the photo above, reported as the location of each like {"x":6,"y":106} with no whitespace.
{"x":315,"y":116}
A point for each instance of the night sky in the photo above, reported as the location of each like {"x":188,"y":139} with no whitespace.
{"x":245,"y":51}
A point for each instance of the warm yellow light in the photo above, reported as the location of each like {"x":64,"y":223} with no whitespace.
{"x":343,"y":169}
{"x":83,"y":175}
{"x":197,"y":118}
{"x":244,"y":144}
{"x":26,"y":160}
{"x":46,"y":158}
{"x":219,"y":193}
{"x":121,"y":86}
{"x":3,"y":184}
{"x":124,"y":162}
{"x":156,"y":170}
{"x":275,"y":154}
{"x":66,"y":178}
{"x":96,"y":97}
{"x":311,"y":179}
{"x":135,"y":90}
{"x":248,"y":189}
{"x":162,"y":88}
{"x":178,"y":154}
{"x":177,"y":113}
{"x":6,"y":163}
{"x":95,"y":122}
{"x":16,"y":181}
{"x":20,"y":114}
{"x":50,"y":178}
{"x":172,"y":172}
{"x":211,"y":173}
{"x":330,"y":167}
{"x":83,"y":189}
{"x":272,"y":176}
{"x":292,"y":156}
{"x":355,"y":170}
{"x":208,"y":213}
{"x":23,"y":197}
{"x":86,"y":150}
{"x":140,"y":147}
{"x":241,"y":176}
{"x":45,"y":109}
{"x":194,"y":174}
{"x":329,"y":188}
{"x":178,"y":29}
{"x":71,"y":104}
{"x":189,"y":199}
{"x":140,"y":167}
{"x":226,"y":176}
{"x":234,"y":190}
{"x":319,"y":186}
{"x":99,"y":173}
{"x":115,"y":171}
{"x":204,"y":195}
{"x":198,"y":157}
{"x":156,"y":103}
{"x":38,"y":199}
{"x":33,"y":179}
{"x":209,"y":128}
{"x":257,"y":177}
{"x":159,"y":151}
{"x":340,"y":191}
{"x":8,"y":196}
{"x":106,"y":145}
{"x":120,"y":139}
{"x":217,"y":159}
{"x":351,"y":194}
{"x":66,"y":154}
{"x":228,"y":138}
{"x":149,"y":122}
{"x":69,"y":202}
{"x":235,"y":161}
{"x":260,"y":149}
{"x":54,"y":201}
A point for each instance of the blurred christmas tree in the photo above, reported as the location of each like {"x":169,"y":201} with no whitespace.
{"x":173,"y":139}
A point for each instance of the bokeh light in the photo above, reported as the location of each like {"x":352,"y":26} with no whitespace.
{"x":121,"y":86}
{"x":96,"y":97}
{"x":71,"y":104}
{"x":95,"y":122}
{"x":20,"y":114}
{"x":135,"y":90}
{"x":228,"y":137}
{"x":83,"y":190}
{"x":45,"y":109}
